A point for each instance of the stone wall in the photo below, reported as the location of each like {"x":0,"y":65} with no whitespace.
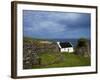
{"x":31,"y":51}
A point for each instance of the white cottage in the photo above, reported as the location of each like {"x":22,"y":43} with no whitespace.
{"x":65,"y":47}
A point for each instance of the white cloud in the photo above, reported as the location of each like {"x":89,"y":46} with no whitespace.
{"x":64,"y":16}
{"x":50,"y":26}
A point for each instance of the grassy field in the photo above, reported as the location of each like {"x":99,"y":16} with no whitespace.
{"x":49,"y":60}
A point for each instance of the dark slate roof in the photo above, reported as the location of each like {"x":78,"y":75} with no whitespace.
{"x":65,"y":44}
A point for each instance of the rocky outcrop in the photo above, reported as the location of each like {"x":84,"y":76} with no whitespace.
{"x":83,"y":48}
{"x":31,"y":49}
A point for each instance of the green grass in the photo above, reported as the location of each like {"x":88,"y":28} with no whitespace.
{"x":51,"y":60}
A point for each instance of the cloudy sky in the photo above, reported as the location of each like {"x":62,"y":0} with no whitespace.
{"x":44,"y":24}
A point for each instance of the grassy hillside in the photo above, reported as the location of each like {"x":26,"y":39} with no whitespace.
{"x":45,"y":55}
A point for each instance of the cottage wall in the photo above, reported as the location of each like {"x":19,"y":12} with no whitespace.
{"x":70,"y":49}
